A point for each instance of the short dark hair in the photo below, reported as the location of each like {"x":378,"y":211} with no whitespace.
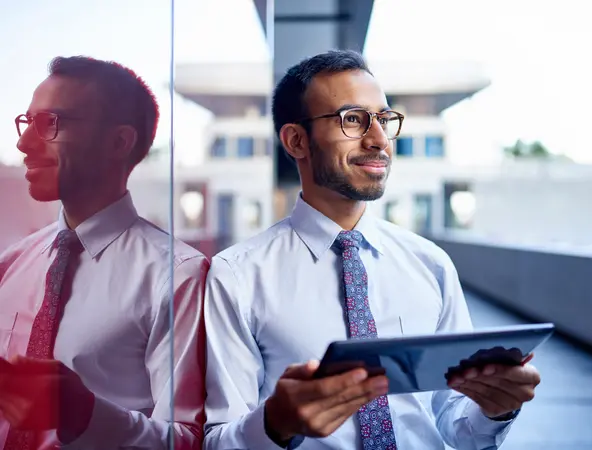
{"x":288,"y":105}
{"x":125,"y":97}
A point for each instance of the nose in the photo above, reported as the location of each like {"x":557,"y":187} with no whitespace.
{"x":376,"y":138}
{"x":29,"y":141}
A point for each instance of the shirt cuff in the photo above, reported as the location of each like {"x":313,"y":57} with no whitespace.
{"x":484,"y":426}
{"x":255,"y":435}
{"x":104,"y":429}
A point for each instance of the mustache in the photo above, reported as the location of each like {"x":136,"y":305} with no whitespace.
{"x":371,"y":158}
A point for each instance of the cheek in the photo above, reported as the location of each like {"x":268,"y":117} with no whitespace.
{"x":390,"y":148}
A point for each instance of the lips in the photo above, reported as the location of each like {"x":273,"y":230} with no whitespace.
{"x":38,"y":164}
{"x":377,"y":164}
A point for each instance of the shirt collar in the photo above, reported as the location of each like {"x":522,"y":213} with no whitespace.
{"x":99,"y":231}
{"x":318,"y":232}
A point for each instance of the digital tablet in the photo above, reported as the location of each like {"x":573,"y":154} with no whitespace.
{"x":426,"y":363}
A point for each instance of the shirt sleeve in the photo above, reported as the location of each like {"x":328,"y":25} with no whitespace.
{"x":460,"y":421}
{"x":235,"y":368}
{"x":113,"y":427}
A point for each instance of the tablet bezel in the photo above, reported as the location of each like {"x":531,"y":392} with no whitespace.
{"x":338,"y":351}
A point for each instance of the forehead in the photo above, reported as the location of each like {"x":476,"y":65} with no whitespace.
{"x":329,"y":91}
{"x":59,"y":93}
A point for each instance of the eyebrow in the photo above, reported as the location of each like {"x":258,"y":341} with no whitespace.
{"x":354,"y":106}
{"x":57,"y":111}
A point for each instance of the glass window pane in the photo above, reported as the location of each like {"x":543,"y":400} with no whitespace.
{"x":404,"y":146}
{"x":85,"y":215}
{"x":218,"y":149}
{"x":245,"y":147}
{"x":423,"y":213}
{"x":434,"y":146}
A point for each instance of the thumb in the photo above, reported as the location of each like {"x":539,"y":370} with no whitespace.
{"x":23,"y":365}
{"x":301,"y":371}
{"x":528,"y":359}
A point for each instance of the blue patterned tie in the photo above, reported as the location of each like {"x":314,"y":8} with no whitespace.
{"x":376,"y":425}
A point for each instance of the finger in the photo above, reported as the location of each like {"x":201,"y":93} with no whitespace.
{"x":521,"y":392}
{"x":40,"y":389}
{"x":22,"y":365}
{"x":526,"y":375}
{"x":315,"y":390}
{"x":467,"y":374}
{"x":505,"y":401}
{"x":493,"y":387}
{"x":301,"y":371}
{"x":329,"y":419}
{"x":29,"y":415}
{"x":360,"y":392}
{"x":12,"y":410}
{"x":488,"y":406}
{"x":528,"y":358}
{"x":511,"y":373}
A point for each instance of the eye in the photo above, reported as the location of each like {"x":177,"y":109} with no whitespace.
{"x":352,"y":118}
{"x":355,"y":117}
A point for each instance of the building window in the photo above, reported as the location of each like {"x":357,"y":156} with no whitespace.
{"x":218,"y":149}
{"x":404,"y":146}
{"x":192,"y":205}
{"x":422,"y":214}
{"x":434,"y":146}
{"x":246,"y":147}
{"x":391,"y":212}
{"x":459,"y":204}
{"x":251,"y":214}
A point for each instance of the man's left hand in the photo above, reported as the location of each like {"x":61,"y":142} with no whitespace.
{"x":498,"y":389}
{"x":45,"y":395}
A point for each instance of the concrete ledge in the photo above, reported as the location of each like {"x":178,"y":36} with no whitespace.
{"x":543,"y":285}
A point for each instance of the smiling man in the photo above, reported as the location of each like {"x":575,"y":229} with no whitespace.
{"x":85,"y":340}
{"x":332,"y":271}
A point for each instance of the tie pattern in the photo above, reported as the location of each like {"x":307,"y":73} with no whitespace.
{"x":376,"y":425}
{"x":45,"y":325}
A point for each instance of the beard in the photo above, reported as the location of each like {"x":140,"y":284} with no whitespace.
{"x":327,"y":176}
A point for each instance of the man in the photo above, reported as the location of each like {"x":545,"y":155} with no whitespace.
{"x":332,"y":271}
{"x":84,"y":303}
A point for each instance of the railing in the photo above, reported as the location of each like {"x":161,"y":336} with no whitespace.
{"x":541,"y":283}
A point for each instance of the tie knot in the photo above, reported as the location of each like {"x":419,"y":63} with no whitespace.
{"x":348,"y":239}
{"x":66,"y":239}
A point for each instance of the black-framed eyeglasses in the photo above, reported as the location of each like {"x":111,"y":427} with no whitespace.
{"x":45,"y":124}
{"x":356,"y":122}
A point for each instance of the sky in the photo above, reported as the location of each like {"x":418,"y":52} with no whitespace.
{"x":534,"y":52}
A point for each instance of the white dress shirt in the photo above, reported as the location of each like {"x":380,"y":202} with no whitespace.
{"x":115,"y":331}
{"x":275,"y":300}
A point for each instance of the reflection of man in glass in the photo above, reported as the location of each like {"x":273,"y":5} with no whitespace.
{"x":84,"y":303}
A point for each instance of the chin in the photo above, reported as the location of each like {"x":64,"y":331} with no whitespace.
{"x":375,"y":189}
{"x":362,"y":193}
{"x":43,"y":194}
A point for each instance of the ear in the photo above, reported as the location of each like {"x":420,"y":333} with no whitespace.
{"x":295,"y":140}
{"x":124,"y":141}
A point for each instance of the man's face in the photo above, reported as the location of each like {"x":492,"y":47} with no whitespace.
{"x":71,"y":163}
{"x":355,"y":168}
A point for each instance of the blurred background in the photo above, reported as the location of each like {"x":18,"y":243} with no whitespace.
{"x":493,"y":162}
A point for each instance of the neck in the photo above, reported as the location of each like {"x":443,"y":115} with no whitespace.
{"x":343,"y":211}
{"x":77,"y":210}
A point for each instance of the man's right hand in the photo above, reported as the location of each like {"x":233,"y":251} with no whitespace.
{"x":311,"y":407}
